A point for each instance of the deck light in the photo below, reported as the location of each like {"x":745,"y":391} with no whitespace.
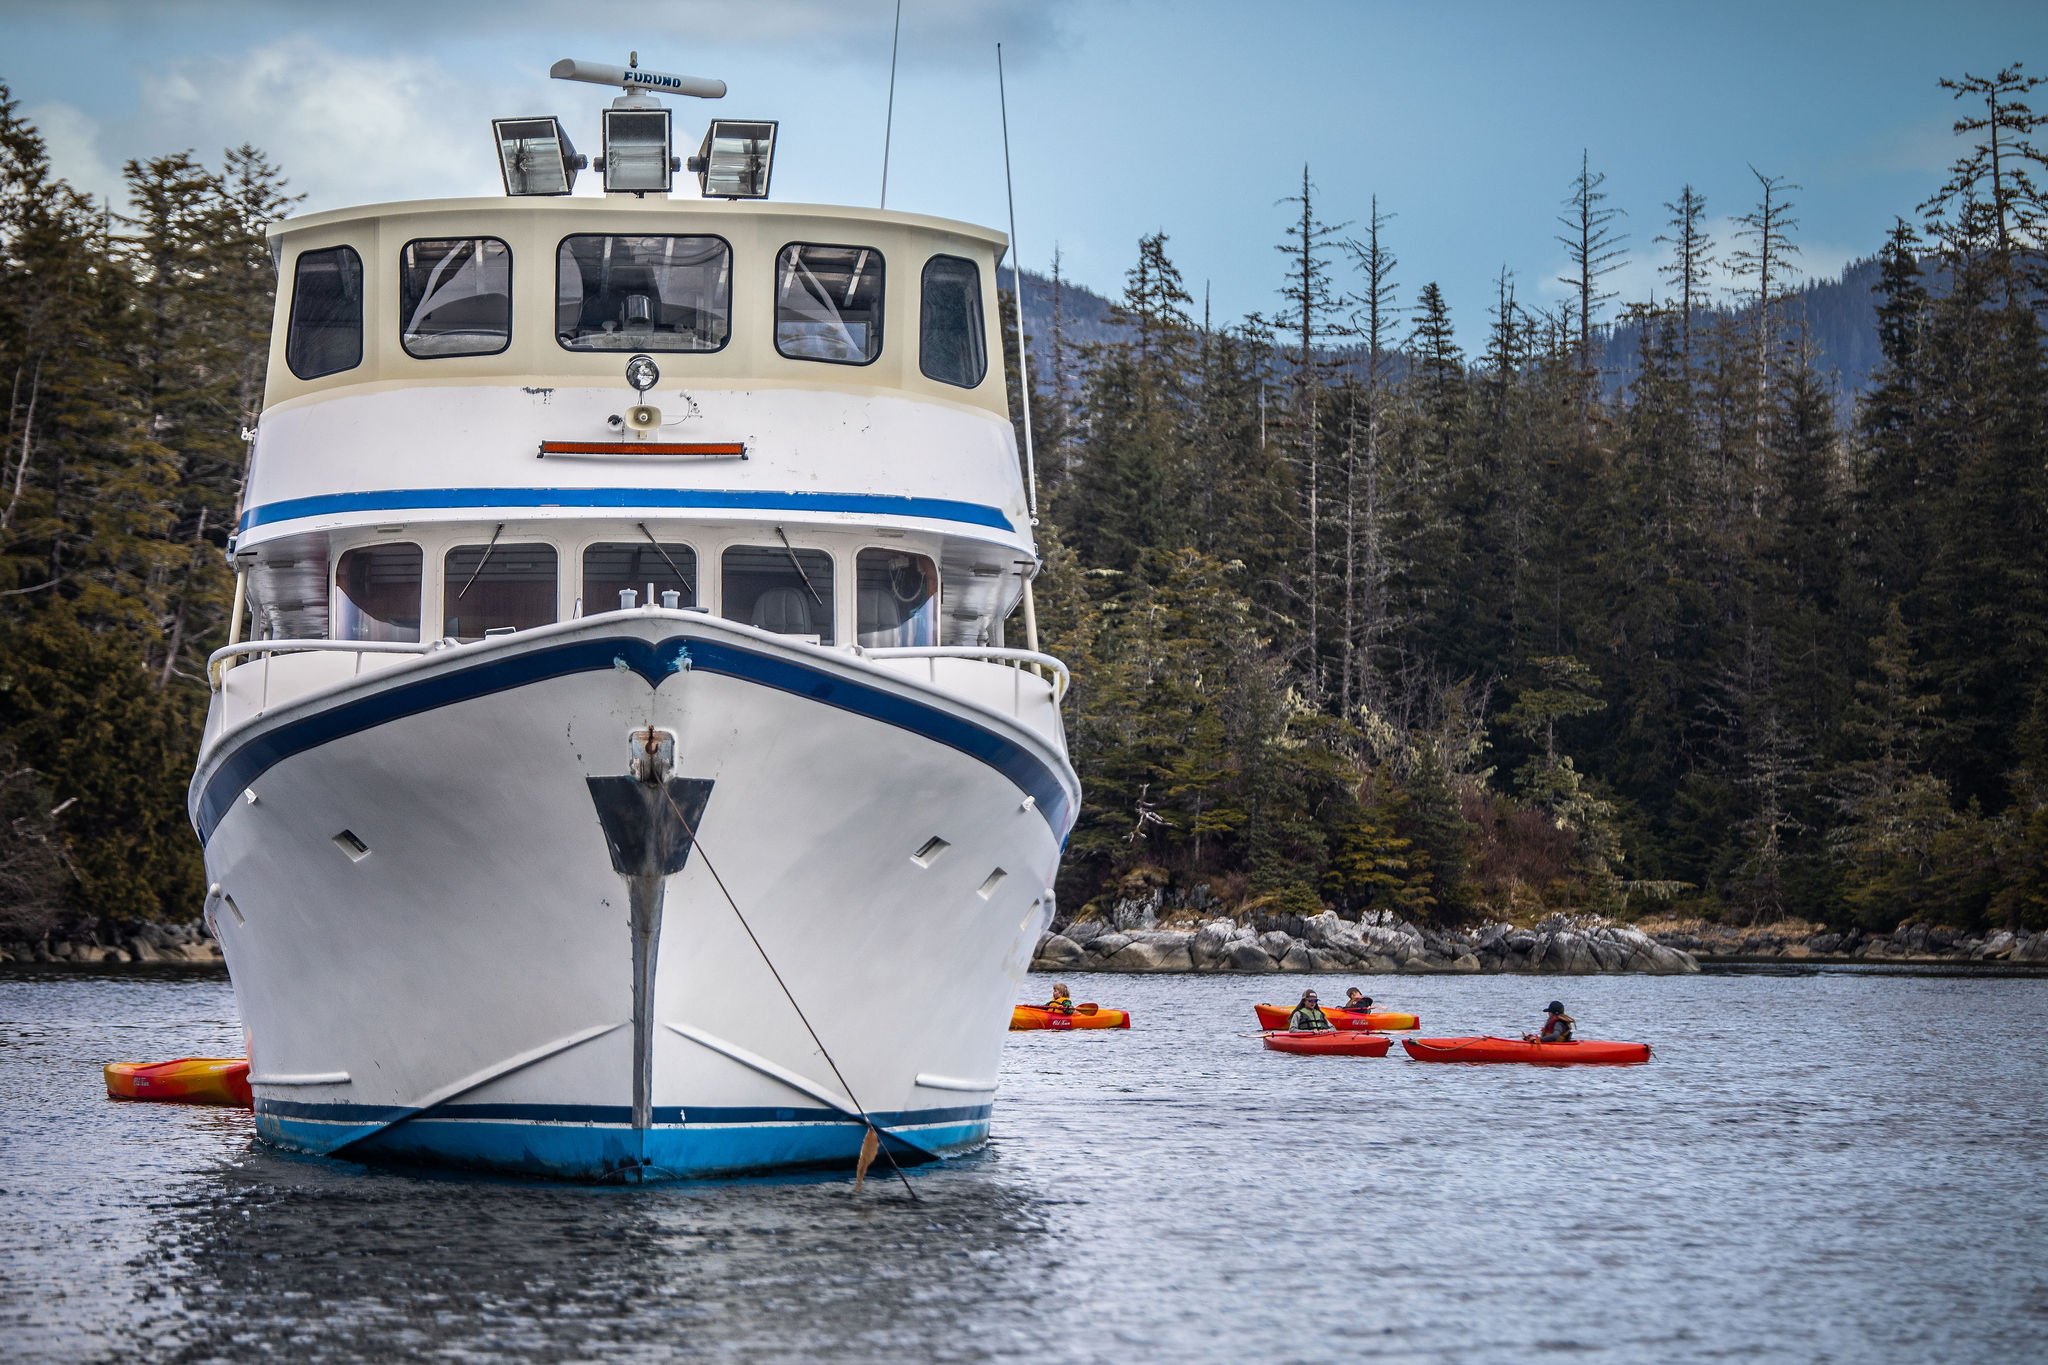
{"x":736,"y":158}
{"x":636,"y":150}
{"x":535,"y":156}
{"x":642,"y":373}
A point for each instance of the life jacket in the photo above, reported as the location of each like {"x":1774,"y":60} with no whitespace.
{"x":1308,"y":1018}
{"x":1061,"y":1004}
{"x":1557,"y":1028}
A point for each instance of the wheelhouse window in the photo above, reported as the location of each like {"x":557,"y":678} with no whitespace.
{"x":325,"y":334}
{"x":497,"y":587}
{"x":643,"y":293}
{"x":951,"y":344}
{"x":610,"y":569}
{"x":828,"y":303}
{"x":774,"y":587}
{"x":377,"y":593}
{"x":455,"y":296}
{"x":896,"y":596}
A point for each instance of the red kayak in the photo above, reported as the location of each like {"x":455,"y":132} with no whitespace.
{"x":1275,"y":1017}
{"x":1335,"y":1043}
{"x":1585,"y":1053}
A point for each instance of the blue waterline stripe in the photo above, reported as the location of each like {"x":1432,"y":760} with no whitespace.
{"x":655,"y":663}
{"x":616,"y":499}
{"x":606,"y":1114}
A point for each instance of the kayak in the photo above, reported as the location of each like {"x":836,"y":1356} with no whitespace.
{"x":1335,"y":1043}
{"x":188,"y":1080}
{"x":1588,"y":1052}
{"x":1025,"y":1017}
{"x":1276,"y":1017}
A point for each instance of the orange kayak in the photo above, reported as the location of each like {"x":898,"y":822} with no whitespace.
{"x":1589,"y":1052}
{"x":1335,"y":1043}
{"x":1038,"y":1016}
{"x":188,"y":1080}
{"x":1276,"y":1017}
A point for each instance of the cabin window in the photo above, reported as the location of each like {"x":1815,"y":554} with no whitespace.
{"x":325,"y":335}
{"x":896,"y":596}
{"x":616,"y":293}
{"x":455,"y":295}
{"x":377,"y":593}
{"x":828,"y":303}
{"x":611,"y":568}
{"x":951,"y":347}
{"x":777,"y":588}
{"x":497,"y":587}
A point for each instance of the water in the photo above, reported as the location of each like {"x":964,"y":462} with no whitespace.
{"x":1821,"y":1168}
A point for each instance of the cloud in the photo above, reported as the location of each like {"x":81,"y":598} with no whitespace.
{"x":72,"y":138}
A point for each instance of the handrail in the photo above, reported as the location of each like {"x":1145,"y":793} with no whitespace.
{"x":215,"y":660}
{"x":1028,"y":658}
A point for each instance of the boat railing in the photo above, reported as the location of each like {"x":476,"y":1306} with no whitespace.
{"x":1020,"y":660}
{"x":227,"y":656}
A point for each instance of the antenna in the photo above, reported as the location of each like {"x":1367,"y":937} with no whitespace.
{"x":1023,"y":361}
{"x":636,"y":80}
{"x":1017,"y":287}
{"x":889,"y":120}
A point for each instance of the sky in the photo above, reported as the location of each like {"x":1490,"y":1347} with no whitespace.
{"x":1126,"y":117}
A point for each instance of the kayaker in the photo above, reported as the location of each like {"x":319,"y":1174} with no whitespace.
{"x":1308,"y":1016}
{"x":1061,"y":1002}
{"x":1557,"y":1026}
{"x":1357,"y":1001}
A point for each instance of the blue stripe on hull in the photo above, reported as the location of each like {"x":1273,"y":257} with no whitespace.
{"x":616,"y":1153}
{"x":655,"y":663}
{"x":626,"y":499}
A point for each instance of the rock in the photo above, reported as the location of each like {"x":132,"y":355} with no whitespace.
{"x":1329,"y":960}
{"x":1297,"y":959}
{"x":1275,"y":943}
{"x":118,"y":955}
{"x":1153,"y":956}
{"x":1210,"y":944}
{"x":1824,"y":943}
{"x":1328,"y":931}
{"x":1056,"y":952}
{"x":144,"y":950}
{"x":1245,"y":955}
{"x":2032,"y":948}
{"x":1106,"y":945}
{"x":1469,"y":962}
{"x":1998,"y":945}
{"x":1081,"y":931}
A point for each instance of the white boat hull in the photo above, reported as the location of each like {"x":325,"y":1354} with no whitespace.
{"x":453,"y":979}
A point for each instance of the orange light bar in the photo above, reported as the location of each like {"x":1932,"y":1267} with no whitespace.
{"x":725,"y":448}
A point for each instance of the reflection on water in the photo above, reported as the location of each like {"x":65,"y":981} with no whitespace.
{"x":346,"y":1262}
{"x":1832,"y":1167}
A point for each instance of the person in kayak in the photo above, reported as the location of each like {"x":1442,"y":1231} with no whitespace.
{"x":1557,"y":1026}
{"x":1357,"y":1001}
{"x":1308,"y":1016}
{"x":1061,"y":1002}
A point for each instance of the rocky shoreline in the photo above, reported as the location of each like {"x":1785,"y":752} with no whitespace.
{"x":178,"y":944}
{"x":1561,"y":945}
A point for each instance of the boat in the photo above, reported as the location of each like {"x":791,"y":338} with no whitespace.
{"x":625,"y":764}
{"x":1327,"y":1043}
{"x":1276,"y":1017}
{"x":1027,"y":1017}
{"x":188,"y":1080}
{"x":1587,"y":1052}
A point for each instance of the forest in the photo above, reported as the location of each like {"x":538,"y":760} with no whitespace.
{"x":1357,"y":620}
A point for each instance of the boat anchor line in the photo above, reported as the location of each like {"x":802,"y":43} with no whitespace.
{"x":649,"y":838}
{"x":873,"y":1142}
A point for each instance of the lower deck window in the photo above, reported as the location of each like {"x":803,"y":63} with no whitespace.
{"x":608,"y":570}
{"x":497,"y":587}
{"x":897,"y":599}
{"x":773,"y":587}
{"x":377,"y":593}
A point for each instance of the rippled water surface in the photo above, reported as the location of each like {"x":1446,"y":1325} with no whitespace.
{"x":1827,"y":1167}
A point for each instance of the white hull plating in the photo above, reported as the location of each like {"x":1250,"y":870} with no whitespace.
{"x":432,"y":950}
